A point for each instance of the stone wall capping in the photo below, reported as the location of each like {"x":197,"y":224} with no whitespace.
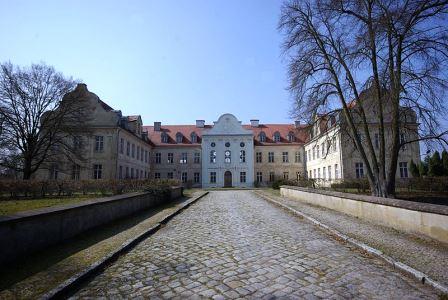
{"x":411,"y":205}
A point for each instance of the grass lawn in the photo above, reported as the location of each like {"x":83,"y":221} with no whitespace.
{"x":8,"y":207}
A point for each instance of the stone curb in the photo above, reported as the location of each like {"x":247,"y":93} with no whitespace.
{"x":70,"y":285}
{"x":422,"y":277}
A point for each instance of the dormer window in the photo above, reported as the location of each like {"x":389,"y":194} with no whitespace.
{"x":179,"y":137}
{"x":291,"y":137}
{"x":194,"y":137}
{"x":276,"y":136}
{"x":164,"y":137}
{"x":262,"y":137}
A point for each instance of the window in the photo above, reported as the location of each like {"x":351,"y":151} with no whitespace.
{"x":179,"y":137}
{"x":170,"y":158}
{"x":286,"y":175}
{"x":333,"y":142}
{"x":298,"y":176}
{"x":197,"y":157}
{"x":183,"y":158}
{"x":242,"y":177}
{"x":170,"y":175}
{"x":164,"y":137}
{"x":99,"y":143}
{"x":146,"y":156}
{"x":141,"y":154}
{"x":259,"y":177}
{"x":324,"y":172}
{"x":336,"y":171}
{"x":329,"y":172}
{"x":318,"y":173}
{"x":97,"y":171}
{"x":297,"y":157}
{"x":156,"y":175}
{"x":196,"y":177}
{"x":120,"y":172}
{"x":128,"y":148}
{"x":262,"y":137}
{"x":271,"y":157}
{"x":76,"y":171}
{"x":285,"y":157}
{"x":309,"y":155}
{"x":136,"y":173}
{"x":54,"y":172}
{"x":311,"y":174}
{"x":242,"y":156}
{"x":271,"y":176}
{"x":323,"y":149}
{"x":184,"y":177}
{"x":132,"y":172}
{"x":127,"y":172}
{"x":314,"y":173}
{"x":141,"y":174}
{"x":213,"y":156}
{"x":227,"y":157}
{"x":242,"y":144}
{"x":212,"y":177}
{"x":403,"y":141}
{"x":403,"y":169}
{"x":277,"y":136}
{"x":377,"y":141}
{"x":258,"y":157}
{"x":158,"y":158}
{"x":291,"y":137}
{"x":194,"y":137}
{"x":359,"y":168}
{"x":317,"y":151}
{"x":227,"y":144}
{"x":138,"y":152}
{"x":314,"y":152}
{"x":77,"y":143}
{"x":133,"y":150}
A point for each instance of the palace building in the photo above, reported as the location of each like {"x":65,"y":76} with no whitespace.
{"x":226,"y":153}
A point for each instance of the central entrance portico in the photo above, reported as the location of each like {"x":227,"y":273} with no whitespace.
{"x":228,"y":179}
{"x":227,"y":154}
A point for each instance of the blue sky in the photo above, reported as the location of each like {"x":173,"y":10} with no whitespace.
{"x":169,"y":61}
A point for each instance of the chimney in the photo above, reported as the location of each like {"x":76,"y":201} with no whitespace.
{"x":157,"y":126}
{"x":297,"y":123}
{"x":254,"y":122}
{"x":200,"y":123}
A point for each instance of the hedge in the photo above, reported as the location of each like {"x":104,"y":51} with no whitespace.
{"x":40,"y":189}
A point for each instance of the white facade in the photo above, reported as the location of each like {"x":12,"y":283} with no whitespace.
{"x":223,"y":161}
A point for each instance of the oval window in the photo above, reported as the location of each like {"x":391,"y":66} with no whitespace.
{"x":227,"y":144}
{"x":242,"y":145}
{"x":213,"y":144}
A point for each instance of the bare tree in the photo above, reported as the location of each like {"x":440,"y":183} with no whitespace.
{"x":37,"y":124}
{"x":343,"y":52}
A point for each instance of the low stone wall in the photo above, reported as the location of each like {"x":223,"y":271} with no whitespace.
{"x":27,"y":232}
{"x":413,"y":217}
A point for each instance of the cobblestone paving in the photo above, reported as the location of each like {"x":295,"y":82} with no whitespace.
{"x":233,"y":244}
{"x":423,"y":254}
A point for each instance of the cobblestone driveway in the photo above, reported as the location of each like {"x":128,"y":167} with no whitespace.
{"x":234,"y":244}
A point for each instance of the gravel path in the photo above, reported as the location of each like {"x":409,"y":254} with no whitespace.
{"x":233,"y":244}
{"x":423,"y":254}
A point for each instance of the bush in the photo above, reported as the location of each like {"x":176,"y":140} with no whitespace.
{"x":362,"y":185}
{"x":39,"y":189}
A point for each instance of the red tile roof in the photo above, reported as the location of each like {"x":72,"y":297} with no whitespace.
{"x":301,"y":134}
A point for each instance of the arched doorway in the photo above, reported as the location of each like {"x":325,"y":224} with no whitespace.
{"x":228,"y":179}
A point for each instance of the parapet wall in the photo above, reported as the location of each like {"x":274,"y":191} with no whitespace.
{"x":414,"y":217}
{"x":30,"y":231}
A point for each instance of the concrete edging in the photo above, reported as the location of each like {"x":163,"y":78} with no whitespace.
{"x":420,"y":276}
{"x":73,"y":283}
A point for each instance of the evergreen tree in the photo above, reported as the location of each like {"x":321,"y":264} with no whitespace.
{"x":445,"y":162}
{"x":423,"y":166}
{"x":414,"y":169}
{"x":435,"y":167}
